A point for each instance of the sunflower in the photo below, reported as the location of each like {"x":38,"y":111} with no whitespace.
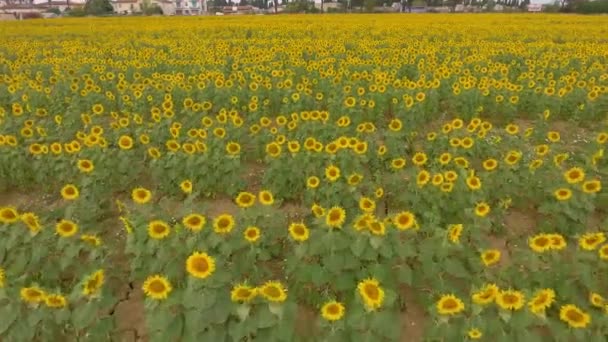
{"x":542,"y":150}
{"x":158,"y":229}
{"x":32,"y":295}
{"x":482,"y":209}
{"x":141,"y":195}
{"x":265,"y":197}
{"x":449,"y":305}
{"x":92,"y":240}
{"x":313,"y":182}
{"x":462,"y":162}
{"x":273,"y":149}
{"x":223,"y":224}
{"x":592,"y":186}
{"x":200,"y":265}
{"x":377,"y":227}
{"x":450,"y":176}
{"x":157,"y":287}
{"x":454,"y":232}
{"x":194,"y":222}
{"x":332,"y":173}
{"x":245,"y":199}
{"x":233,"y":148}
{"x":467,"y":142}
{"x":474,"y":334}
{"x":397,"y":163}
{"x":574,"y":175}
{"x":66,"y":228}
{"x":513,"y":157}
{"x":490,"y":164}
{"x":404,"y":220}
{"x":541,"y":301}
{"x":485,"y":295}
{"x":335,"y":217}
{"x":354,"y":179}
{"x":318,"y":210}
{"x":510,"y":299}
{"x":419,"y":159}
{"x":597,"y":300}
{"x":93,"y":283}
{"x":55,"y":301}
{"x":575,"y":317}
{"x":379,"y":192}
{"x":591,"y":241}
{"x":603,"y":252}
{"x":553,"y":136}
{"x":602,"y":138}
{"x":32,"y":221}
{"x":298,"y":231}
{"x":333,"y":311}
{"x":2,"y":278}
{"x":395,"y":125}
{"x":252,"y":234}
{"x":445,"y":158}
{"x":473,"y":182}
{"x":85,"y":165}
{"x":490,"y":257}
{"x":70,"y":192}
{"x":242,"y":293}
{"x":371,"y":293}
{"x":273,"y":291}
{"x":186,"y":186}
{"x":558,"y":242}
{"x":540,"y":243}
{"x":125,"y":142}
{"x":9,"y":215}
{"x":512,"y":129}
{"x":562,"y":194}
{"x":367,"y":205}
{"x":423,"y":178}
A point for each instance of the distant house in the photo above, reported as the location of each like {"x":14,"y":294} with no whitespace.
{"x":61,"y":5}
{"x":136,"y":6}
{"x":247,"y":9}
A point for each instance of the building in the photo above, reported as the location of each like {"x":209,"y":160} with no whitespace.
{"x":168,"y":7}
{"x":188,"y":7}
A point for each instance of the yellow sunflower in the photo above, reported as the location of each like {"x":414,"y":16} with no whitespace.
{"x":242,"y":293}
{"x":186,"y":186}
{"x":32,"y":295}
{"x":474,"y":183}
{"x":490,"y":257}
{"x":252,"y":234}
{"x":562,"y":194}
{"x":200,"y":265}
{"x":558,"y":242}
{"x":298,"y":231}
{"x":591,"y":241}
{"x":55,"y":301}
{"x":603,"y":252}
{"x":592,"y":186}
{"x":66,"y":228}
{"x":32,"y":221}
{"x":92,"y":240}
{"x":371,"y":293}
{"x":313,"y":182}
{"x":223,"y":224}
{"x":404,"y":220}
{"x":367,"y":205}
{"x":157,"y":287}
{"x":141,"y":195}
{"x":70,"y":192}
{"x":574,"y":175}
{"x":423,"y":178}
{"x":486,"y":294}
{"x":575,"y":317}
{"x":318,"y":210}
{"x":541,"y":301}
{"x":85,"y":165}
{"x":332,"y":173}
{"x":2,"y":278}
{"x":194,"y":222}
{"x":510,"y":299}
{"x":245,"y":199}
{"x":333,"y":311}
{"x":419,"y":159}
{"x":265,"y":197}
{"x":335,"y":217}
{"x":597,"y":300}
{"x":540,"y":243}
{"x":482,"y":209}
{"x":449,"y":305}
{"x":474,"y":334}
{"x":158,"y":229}
{"x":8,"y":215}
{"x":273,"y":291}
{"x":490,"y":164}
{"x":93,"y":283}
{"x":454,"y":232}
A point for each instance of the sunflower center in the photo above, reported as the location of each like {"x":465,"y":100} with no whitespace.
{"x":450,"y":304}
{"x":592,"y":241}
{"x":33,"y":293}
{"x":194,"y":221}
{"x":333,"y":309}
{"x":157,"y":286}
{"x":540,"y":300}
{"x":223,"y":223}
{"x":298,"y":230}
{"x":334,"y":215}
{"x":9,"y":215}
{"x":243,"y":293}
{"x":272,"y":292}
{"x":574,"y":316}
{"x":371,"y":291}
{"x":66,"y":227}
{"x":541,"y":242}
{"x":574,"y":174}
{"x":510,"y":298}
{"x":200,"y":264}
{"x":252,"y":233}
{"x":159,"y":228}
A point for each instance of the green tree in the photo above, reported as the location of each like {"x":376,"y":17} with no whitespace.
{"x":98,"y":7}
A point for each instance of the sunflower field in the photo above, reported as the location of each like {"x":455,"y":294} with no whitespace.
{"x":304,"y":178}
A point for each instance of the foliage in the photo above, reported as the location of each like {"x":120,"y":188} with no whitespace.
{"x":348,"y":169}
{"x":593,"y":7}
{"x":98,"y":7}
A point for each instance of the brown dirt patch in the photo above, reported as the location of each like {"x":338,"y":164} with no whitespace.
{"x":129,"y":317}
{"x":413,"y":319}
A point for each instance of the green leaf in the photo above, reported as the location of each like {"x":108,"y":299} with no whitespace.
{"x":9,"y":315}
{"x":265,"y":318}
{"x":456,"y":268}
{"x":358,"y":247}
{"x":83,"y":315}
